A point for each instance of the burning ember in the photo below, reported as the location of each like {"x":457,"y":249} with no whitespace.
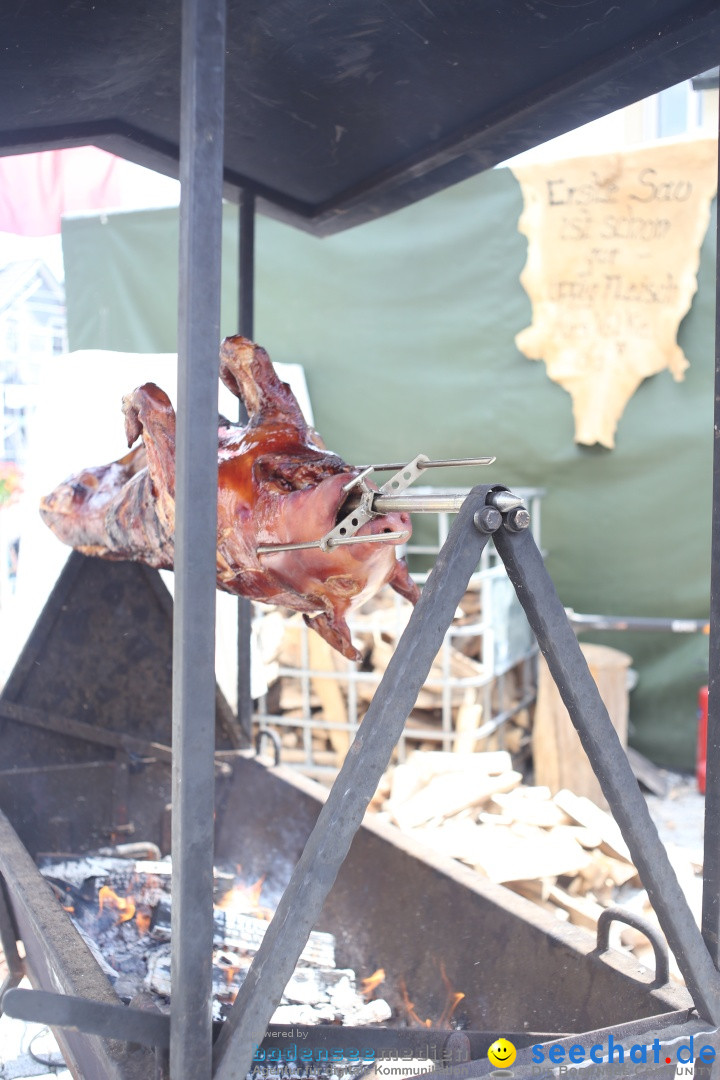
{"x":125,"y":906}
{"x":245,"y":898}
{"x":123,"y":910}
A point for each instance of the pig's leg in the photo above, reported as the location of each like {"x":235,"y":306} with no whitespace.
{"x":402,"y":583}
{"x":332,"y":627}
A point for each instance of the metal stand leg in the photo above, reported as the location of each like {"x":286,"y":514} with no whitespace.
{"x":546,"y":615}
{"x":201,"y":168}
{"x":354,"y":786}
{"x":246,"y":305}
{"x":711,"y":862}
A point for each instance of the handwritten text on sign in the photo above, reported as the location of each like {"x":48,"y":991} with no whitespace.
{"x":613,"y":251}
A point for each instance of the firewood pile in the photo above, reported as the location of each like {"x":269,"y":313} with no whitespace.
{"x":562,"y":852}
{"x":459,"y":696}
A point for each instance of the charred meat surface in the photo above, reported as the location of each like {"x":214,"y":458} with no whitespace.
{"x":277,"y":484}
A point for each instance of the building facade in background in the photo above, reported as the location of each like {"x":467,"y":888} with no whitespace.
{"x":32,"y":330}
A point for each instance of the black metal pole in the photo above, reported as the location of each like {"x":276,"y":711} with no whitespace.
{"x":569,"y":669}
{"x":246,"y":268}
{"x":246,"y":306}
{"x":201,"y":167}
{"x":354,"y":786}
{"x":711,"y":863}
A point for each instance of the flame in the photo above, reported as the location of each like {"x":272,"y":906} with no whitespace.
{"x":410,"y":1008}
{"x":230,"y":972}
{"x":452,"y":1000}
{"x":125,"y":906}
{"x":369,"y":985}
{"x":142,"y":921}
{"x":245,"y":898}
{"x":454,"y":997}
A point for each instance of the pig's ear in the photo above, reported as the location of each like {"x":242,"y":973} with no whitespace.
{"x":148,"y":412}
{"x":316,"y":439}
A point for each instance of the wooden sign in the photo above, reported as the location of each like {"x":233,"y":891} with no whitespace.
{"x":613,"y":251}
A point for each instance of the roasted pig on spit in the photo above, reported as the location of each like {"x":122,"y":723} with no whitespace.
{"x":277,"y":484}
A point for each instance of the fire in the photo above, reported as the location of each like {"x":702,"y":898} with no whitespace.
{"x":452,"y":1000}
{"x":142,"y":921}
{"x":230,"y":972}
{"x":369,"y":985}
{"x":245,"y":898}
{"x":125,"y":906}
{"x":454,"y":997}
{"x":410,"y":1007}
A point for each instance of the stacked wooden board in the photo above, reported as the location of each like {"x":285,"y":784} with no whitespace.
{"x":561,"y":851}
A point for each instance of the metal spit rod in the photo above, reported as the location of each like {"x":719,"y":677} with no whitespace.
{"x":447,"y":463}
{"x":383,"y":538}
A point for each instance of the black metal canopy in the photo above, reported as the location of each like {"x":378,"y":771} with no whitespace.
{"x":339,"y":111}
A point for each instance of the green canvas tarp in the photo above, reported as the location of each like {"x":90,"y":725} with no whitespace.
{"x":405,"y":327}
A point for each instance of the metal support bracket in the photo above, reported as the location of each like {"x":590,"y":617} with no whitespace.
{"x":354,"y":786}
{"x":329,"y":842}
{"x":580,"y":695}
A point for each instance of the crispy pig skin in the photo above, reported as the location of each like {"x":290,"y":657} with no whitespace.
{"x":277,"y":484}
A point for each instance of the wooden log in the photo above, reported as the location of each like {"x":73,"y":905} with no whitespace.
{"x":521,"y":853}
{"x":434,"y":762}
{"x":586,"y":838}
{"x":587,"y":813}
{"x":332,"y":699}
{"x":467,"y":723}
{"x":448,"y":794}
{"x":559,"y":759}
{"x":581,"y":910}
{"x":523,"y":805}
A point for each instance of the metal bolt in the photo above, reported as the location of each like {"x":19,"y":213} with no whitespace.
{"x":505,"y":500}
{"x":487,"y":520}
{"x":456,"y":1048}
{"x":517,"y":519}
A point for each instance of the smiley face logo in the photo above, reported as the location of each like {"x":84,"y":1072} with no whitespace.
{"x":502,"y":1053}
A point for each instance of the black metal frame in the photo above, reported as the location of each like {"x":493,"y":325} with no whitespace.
{"x":711,"y":863}
{"x":201,"y":167}
{"x":194,"y":683}
{"x":365,"y":763}
{"x":246,"y":309}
